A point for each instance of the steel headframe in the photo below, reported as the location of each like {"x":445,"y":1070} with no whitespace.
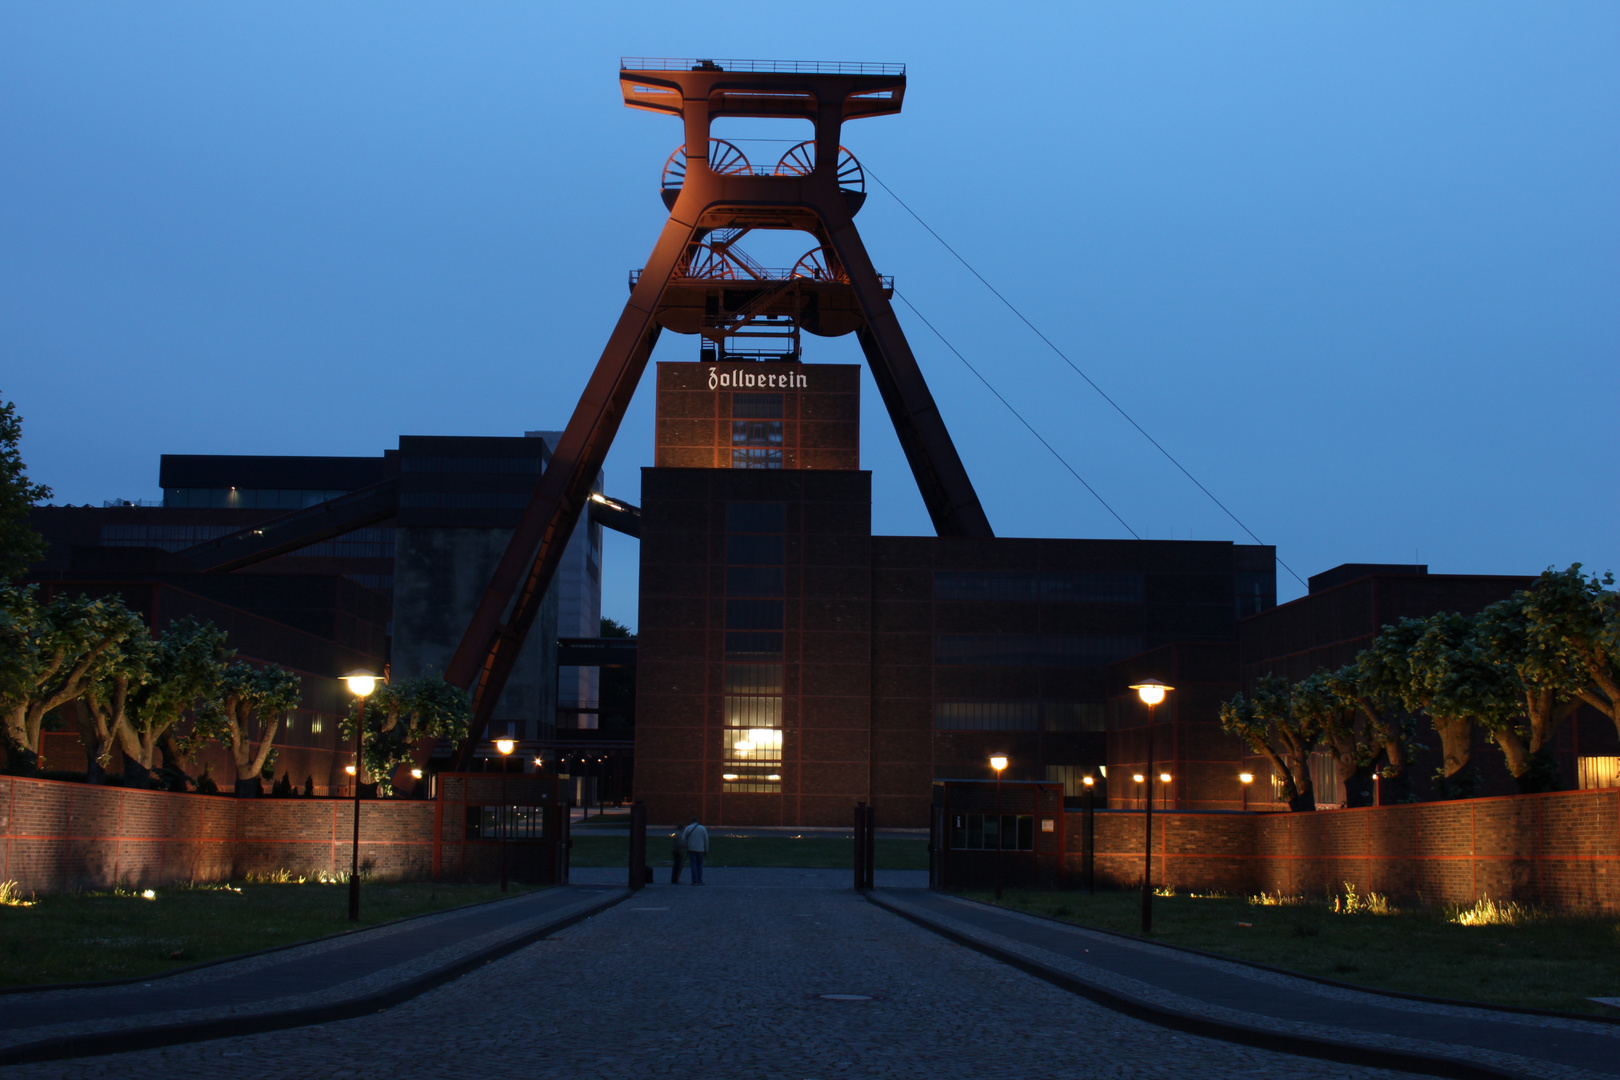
{"x":698,"y":91}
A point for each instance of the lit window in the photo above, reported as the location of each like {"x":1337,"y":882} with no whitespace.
{"x":753,"y":755}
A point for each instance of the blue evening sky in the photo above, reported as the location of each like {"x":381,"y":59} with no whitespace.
{"x":1355,"y":264}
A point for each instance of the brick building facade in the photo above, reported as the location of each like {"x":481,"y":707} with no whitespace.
{"x":791,"y":663}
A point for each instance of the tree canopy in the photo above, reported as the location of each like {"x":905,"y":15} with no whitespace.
{"x":20,"y":545}
{"x":398,"y":718}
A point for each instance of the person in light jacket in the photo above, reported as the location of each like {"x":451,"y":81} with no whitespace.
{"x":697,"y":846}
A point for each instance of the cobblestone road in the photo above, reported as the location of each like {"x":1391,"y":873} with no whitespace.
{"x":723,"y":983}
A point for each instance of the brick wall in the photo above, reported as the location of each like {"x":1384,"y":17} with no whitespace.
{"x":58,"y":836}
{"x":1560,"y":850}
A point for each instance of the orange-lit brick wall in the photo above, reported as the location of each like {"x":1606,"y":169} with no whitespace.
{"x":57,"y":836}
{"x":1561,"y":850}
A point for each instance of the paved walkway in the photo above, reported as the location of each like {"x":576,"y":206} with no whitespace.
{"x":346,"y":975}
{"x":1192,"y":992}
{"x":771,"y":974}
{"x":727,"y":981}
{"x":756,"y":877}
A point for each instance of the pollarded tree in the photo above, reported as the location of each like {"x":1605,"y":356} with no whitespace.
{"x":1390,"y":728}
{"x":20,"y":545}
{"x":244,"y":712}
{"x":52,"y":654}
{"x":399,"y":718}
{"x":1541,"y":677}
{"x":1458,"y":685}
{"x":1319,"y":702}
{"x":185,"y":666}
{"x":1269,"y":723}
{"x":1572,"y":618}
{"x":104,"y":708}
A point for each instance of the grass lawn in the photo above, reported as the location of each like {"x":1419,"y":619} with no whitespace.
{"x":1546,"y":963}
{"x":829,"y":853}
{"x":82,"y":937}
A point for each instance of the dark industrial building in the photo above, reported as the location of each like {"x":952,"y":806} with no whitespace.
{"x":791,"y":663}
{"x":323,"y":564}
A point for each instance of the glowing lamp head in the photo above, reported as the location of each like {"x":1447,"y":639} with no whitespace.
{"x":1088,"y":780}
{"x":1139,"y":778}
{"x":1246,"y":777}
{"x":1164,"y":778}
{"x":505,"y":746}
{"x":349,"y":769}
{"x":998,"y":762}
{"x":416,"y":774}
{"x":360,"y":682}
{"x":1151,"y":691}
{"x":728,"y":777}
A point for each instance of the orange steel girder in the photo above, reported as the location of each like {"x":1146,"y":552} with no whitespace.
{"x":706,"y":201}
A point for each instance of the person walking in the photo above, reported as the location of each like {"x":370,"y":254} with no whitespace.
{"x":677,"y":852}
{"x":697,"y":846}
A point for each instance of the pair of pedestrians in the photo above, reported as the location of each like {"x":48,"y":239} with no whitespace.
{"x":690,"y":842}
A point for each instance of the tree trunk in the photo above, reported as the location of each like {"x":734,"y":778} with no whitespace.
{"x":1456,"y":742}
{"x":136,"y":775}
{"x":1513,"y":749}
{"x":248,"y":787}
{"x":1358,"y":787}
{"x":1304,"y":787}
{"x":21,"y":761}
{"x":1540,"y":774}
{"x":1603,"y":695}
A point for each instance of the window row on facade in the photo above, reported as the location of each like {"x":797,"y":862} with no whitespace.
{"x":1034,"y":650}
{"x":1044,"y":587}
{"x":531,"y":465}
{"x":247,"y":498}
{"x":1019,"y":716}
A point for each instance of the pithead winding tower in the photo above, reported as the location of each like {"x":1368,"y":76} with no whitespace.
{"x":698,"y":281}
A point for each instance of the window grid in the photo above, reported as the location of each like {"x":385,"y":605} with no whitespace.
{"x":756,"y":406}
{"x":506,"y":823}
{"x":1032,"y":650}
{"x":977,"y":832}
{"x":752,"y":702}
{"x":1029,"y":586}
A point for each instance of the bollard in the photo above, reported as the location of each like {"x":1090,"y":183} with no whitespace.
{"x":859,"y":836}
{"x":639,"y":874}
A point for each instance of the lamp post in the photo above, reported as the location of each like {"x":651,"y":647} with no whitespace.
{"x":1088,"y":836}
{"x":1151,"y":691}
{"x":360,"y":683}
{"x":1246,"y":778}
{"x":998,"y":762}
{"x":505,"y":746}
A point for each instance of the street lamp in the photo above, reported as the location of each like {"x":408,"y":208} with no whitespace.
{"x":360,"y":683}
{"x":505,"y":746}
{"x":1246,"y":778}
{"x":1151,"y":691}
{"x":998,"y":762}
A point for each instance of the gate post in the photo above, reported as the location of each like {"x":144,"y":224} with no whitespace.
{"x":638,"y":844}
{"x":936,"y":848}
{"x":869,"y":847}
{"x":859,"y":837}
{"x":565,"y":829}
